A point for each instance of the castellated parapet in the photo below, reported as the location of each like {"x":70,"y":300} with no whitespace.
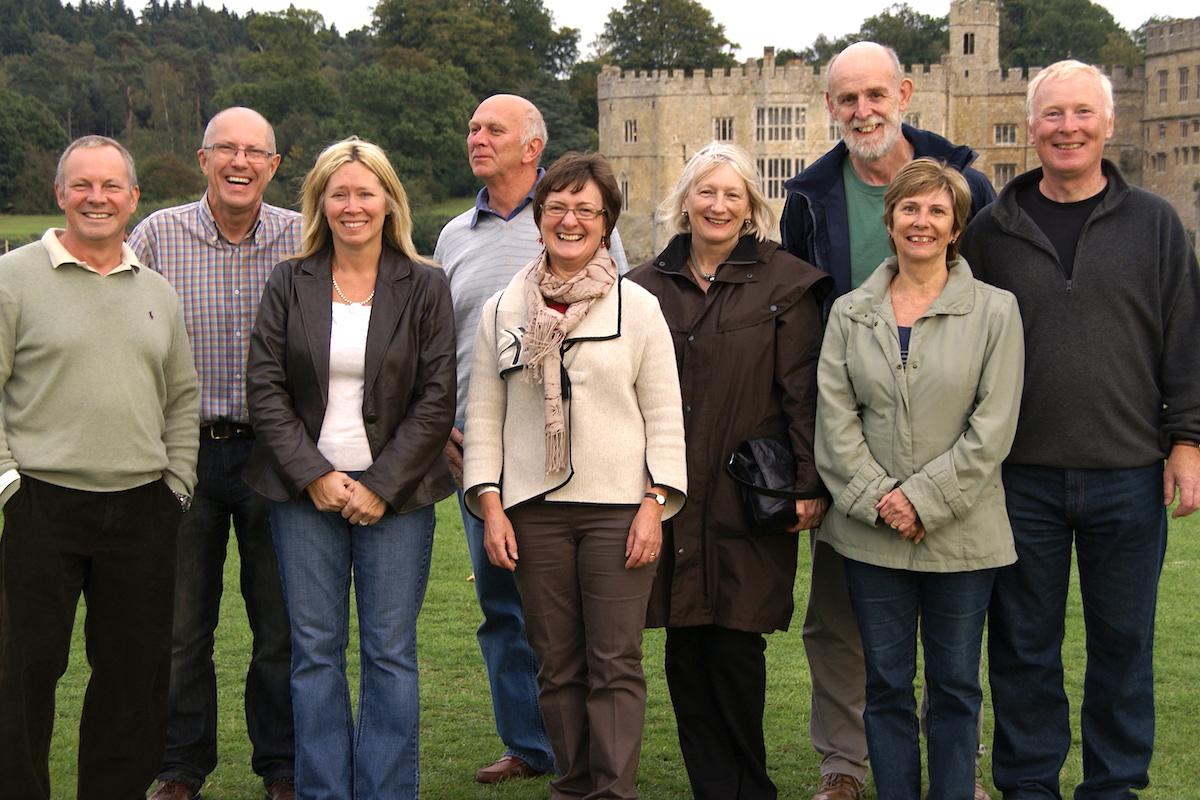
{"x":652,"y":122}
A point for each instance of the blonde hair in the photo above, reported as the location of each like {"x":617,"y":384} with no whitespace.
{"x":922,"y":176}
{"x":1064,"y":69}
{"x":707,"y":159}
{"x":397,"y":229}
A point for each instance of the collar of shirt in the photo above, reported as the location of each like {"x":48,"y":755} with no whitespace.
{"x":59,"y":255}
{"x":482,"y":207}
{"x":213,"y":231}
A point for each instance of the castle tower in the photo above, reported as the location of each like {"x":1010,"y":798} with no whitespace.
{"x":974,"y":37}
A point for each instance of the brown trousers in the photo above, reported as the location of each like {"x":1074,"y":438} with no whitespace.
{"x":584,"y":614}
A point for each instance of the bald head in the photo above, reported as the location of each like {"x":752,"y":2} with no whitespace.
{"x":505,"y":139}
{"x":524,"y":113}
{"x":865,"y":57}
{"x":866,"y":96}
{"x":246,"y":121}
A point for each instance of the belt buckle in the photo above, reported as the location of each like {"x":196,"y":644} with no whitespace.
{"x":221,"y":430}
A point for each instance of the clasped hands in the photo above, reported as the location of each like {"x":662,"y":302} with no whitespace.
{"x":898,"y":512}
{"x":337,"y":491}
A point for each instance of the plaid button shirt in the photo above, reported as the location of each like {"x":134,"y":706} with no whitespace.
{"x":219,"y":286}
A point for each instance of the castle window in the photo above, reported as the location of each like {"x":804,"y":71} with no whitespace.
{"x":1005,"y":133}
{"x":1196,"y":126}
{"x":912,"y":119}
{"x":1183,"y":83}
{"x":775,"y":172}
{"x":1196,"y":155}
{"x":723,"y":129}
{"x":1160,"y":162}
{"x":1198,"y":81}
{"x":968,"y":44}
{"x":630,"y":131}
{"x":778,"y":123}
{"x":835,"y":133}
{"x":1162,"y":131}
{"x":1002,"y":174}
{"x":1183,"y":127}
{"x":624,"y":192}
{"x":1162,"y":86}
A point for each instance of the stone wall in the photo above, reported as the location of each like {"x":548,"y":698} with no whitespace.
{"x":650,"y":123}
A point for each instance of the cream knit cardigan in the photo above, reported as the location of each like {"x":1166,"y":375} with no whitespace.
{"x":624,"y":412}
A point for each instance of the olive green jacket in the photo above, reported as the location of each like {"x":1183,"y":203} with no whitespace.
{"x":939,"y":426}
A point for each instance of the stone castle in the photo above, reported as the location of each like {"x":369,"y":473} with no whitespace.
{"x":651,"y":122}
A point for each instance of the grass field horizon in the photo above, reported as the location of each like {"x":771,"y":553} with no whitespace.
{"x":458,"y":734}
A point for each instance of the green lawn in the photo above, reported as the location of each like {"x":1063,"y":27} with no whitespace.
{"x":457,"y":732}
{"x":17,"y":229}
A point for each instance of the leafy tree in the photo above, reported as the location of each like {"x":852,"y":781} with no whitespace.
{"x":1040,"y":32}
{"x":30,"y":137}
{"x":917,"y":38}
{"x":497,"y":43}
{"x":166,"y":176}
{"x":664,"y":34}
{"x":581,"y":85}
{"x":823,"y":48}
{"x":564,"y":122}
{"x":419,"y":118}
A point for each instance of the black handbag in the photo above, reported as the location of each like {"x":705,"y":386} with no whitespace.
{"x":765,"y":472}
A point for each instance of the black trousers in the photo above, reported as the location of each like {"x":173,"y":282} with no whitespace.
{"x":718,"y":683}
{"x":118,"y":549}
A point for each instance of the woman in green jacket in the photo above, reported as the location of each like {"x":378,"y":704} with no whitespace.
{"x":919,"y":385}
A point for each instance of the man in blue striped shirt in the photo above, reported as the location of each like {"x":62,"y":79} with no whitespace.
{"x":217,"y":252}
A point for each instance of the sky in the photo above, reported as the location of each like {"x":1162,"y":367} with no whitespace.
{"x":752,"y":24}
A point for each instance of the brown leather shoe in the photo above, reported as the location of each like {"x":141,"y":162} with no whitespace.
{"x":506,"y":769}
{"x":281,"y":789}
{"x":836,"y":786}
{"x":980,"y":792}
{"x":174,"y":790}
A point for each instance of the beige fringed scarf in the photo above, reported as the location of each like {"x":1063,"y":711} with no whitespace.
{"x":547,"y":329}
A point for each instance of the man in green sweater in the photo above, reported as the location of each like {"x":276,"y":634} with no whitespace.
{"x":99,"y":410}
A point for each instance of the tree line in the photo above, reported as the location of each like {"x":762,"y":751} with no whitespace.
{"x":409,"y":81}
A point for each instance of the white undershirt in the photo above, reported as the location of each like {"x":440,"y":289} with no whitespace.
{"x":343,"y":437}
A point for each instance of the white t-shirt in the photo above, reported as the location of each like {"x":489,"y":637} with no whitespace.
{"x":343,"y":437}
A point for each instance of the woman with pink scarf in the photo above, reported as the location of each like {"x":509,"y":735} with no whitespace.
{"x":574,"y":456}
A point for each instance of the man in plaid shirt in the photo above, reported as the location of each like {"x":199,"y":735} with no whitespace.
{"x":217,"y":252}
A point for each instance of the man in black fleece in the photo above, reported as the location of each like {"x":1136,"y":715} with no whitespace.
{"x":1109,"y":291}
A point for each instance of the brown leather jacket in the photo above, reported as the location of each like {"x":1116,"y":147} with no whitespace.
{"x":408,"y":399}
{"x":747,"y":355}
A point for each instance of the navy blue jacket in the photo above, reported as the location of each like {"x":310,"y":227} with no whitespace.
{"x":814,"y":226}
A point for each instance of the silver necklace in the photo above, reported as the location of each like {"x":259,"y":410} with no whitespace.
{"x":347,"y":300}
{"x":708,"y":277}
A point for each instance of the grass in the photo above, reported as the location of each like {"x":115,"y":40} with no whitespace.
{"x":18,"y":229}
{"x":456,"y":722}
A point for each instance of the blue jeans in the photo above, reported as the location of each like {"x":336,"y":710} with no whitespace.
{"x":511,"y":664}
{"x":221,"y":494}
{"x":951,"y":608}
{"x":1116,"y":521}
{"x":319,"y":552}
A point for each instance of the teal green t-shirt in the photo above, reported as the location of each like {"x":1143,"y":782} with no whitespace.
{"x":868,"y":237}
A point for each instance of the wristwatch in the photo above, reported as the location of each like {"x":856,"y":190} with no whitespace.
{"x":661,"y":499}
{"x":185,"y":500}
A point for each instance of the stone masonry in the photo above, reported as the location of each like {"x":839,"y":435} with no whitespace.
{"x":650,"y":123}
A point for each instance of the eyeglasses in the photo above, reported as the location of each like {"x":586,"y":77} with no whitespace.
{"x":229,"y":152}
{"x":582,"y":213}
